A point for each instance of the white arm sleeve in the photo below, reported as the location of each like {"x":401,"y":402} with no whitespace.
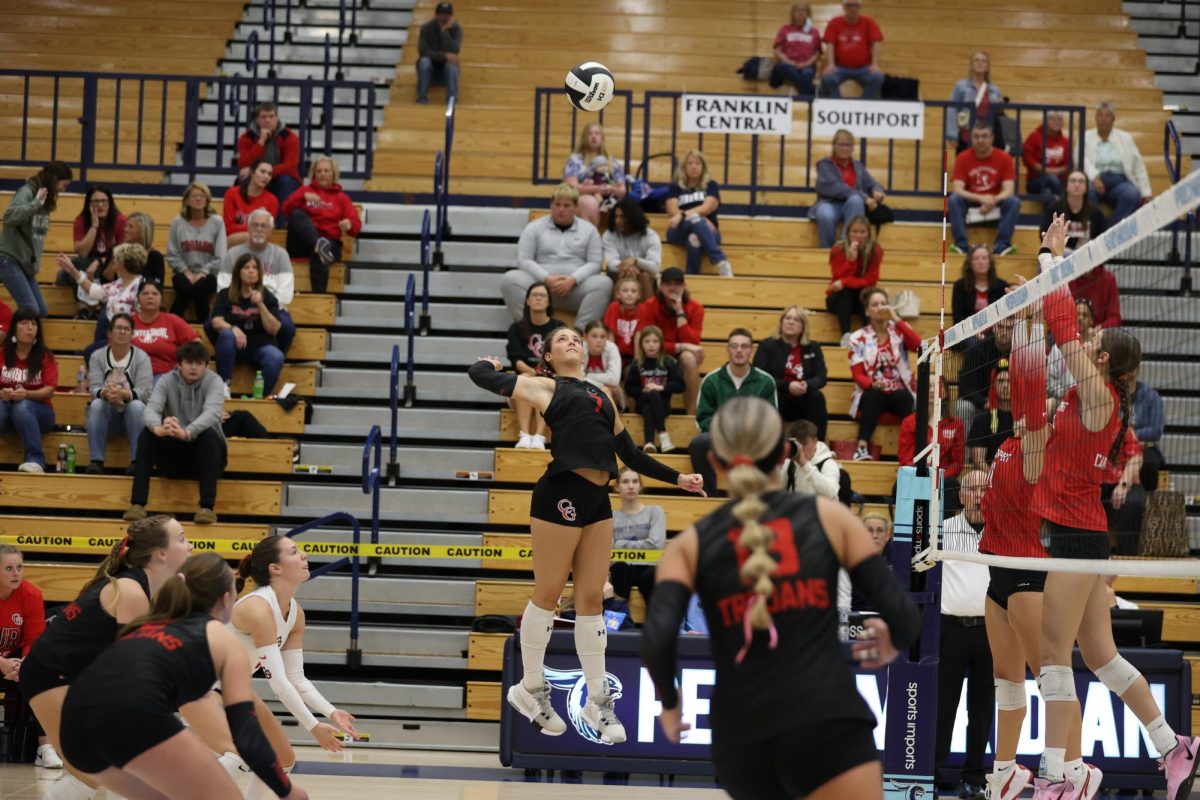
{"x":293,"y":662}
{"x":271,"y":661}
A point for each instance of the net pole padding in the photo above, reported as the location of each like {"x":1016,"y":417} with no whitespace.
{"x":1142,"y":568}
{"x":945,"y":219}
{"x":1180,"y":199}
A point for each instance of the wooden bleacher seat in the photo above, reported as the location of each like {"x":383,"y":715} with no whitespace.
{"x":303,"y":375}
{"x":68,"y":335}
{"x":71,"y":409}
{"x":111,"y":493}
{"x":260,"y":456}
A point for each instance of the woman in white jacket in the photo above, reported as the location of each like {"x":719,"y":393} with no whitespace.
{"x":1114,"y":166}
{"x":603,"y":366}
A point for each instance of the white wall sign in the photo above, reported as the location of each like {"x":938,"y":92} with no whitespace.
{"x":736,"y":113}
{"x":875,"y":119}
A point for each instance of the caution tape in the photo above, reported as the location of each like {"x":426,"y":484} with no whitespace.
{"x":240,"y":547}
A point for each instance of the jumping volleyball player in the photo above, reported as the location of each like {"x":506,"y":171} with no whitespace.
{"x":1013,"y":609}
{"x":119,"y":723}
{"x":1089,"y":427}
{"x":571,"y":523}
{"x":270,"y":625}
{"x":787,"y":721}
{"x":130,"y":575}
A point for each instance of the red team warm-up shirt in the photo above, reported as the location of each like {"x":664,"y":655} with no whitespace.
{"x":161,"y":339}
{"x":17,"y":374}
{"x":984,"y":175}
{"x":852,"y":43}
{"x":22,"y":620}
{"x":624,"y":325}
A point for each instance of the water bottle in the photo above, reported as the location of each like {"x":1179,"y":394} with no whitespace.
{"x":81,"y":383}
{"x":61,"y":466}
{"x":71,"y":459}
{"x":258,"y":385}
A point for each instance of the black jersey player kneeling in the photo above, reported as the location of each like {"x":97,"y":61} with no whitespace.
{"x":119,"y":723}
{"x":787,"y":720}
{"x":570,"y":522}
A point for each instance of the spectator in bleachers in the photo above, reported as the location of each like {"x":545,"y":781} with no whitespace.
{"x":139,"y":229}
{"x":22,"y":620}
{"x":975,"y":375}
{"x":979,"y":94}
{"x":692,"y":202}
{"x":563,"y":251}
{"x":120,"y":380}
{"x":977,"y":288}
{"x":652,"y":379}
{"x":6,"y":316}
{"x":603,"y":365}
{"x":439,"y":47}
{"x":636,"y":526}
{"x":632,"y":248}
{"x":245,"y":196}
{"x":597,"y":175}
{"x":797,"y":364}
{"x":318,"y":215}
{"x":28,"y":377}
{"x":623,"y":318}
{"x":854,"y":55}
{"x":23,"y":235}
{"x":116,"y":297}
{"x":159,"y":333}
{"x":1147,"y":424}
{"x":1123,"y":496}
{"x":681,"y":320}
{"x":845,"y":189}
{"x":854,"y":265}
{"x":1084,"y":220}
{"x":1058,"y":378}
{"x":736,"y":378}
{"x":984,"y":178}
{"x":1099,"y":287}
{"x":270,"y":140}
{"x":195,"y":247}
{"x":883,"y":378}
{"x":849,"y":597}
{"x":276,"y":267}
{"x":183,"y":436}
{"x":797,"y":50}
{"x":527,"y":339}
{"x":1114,"y":166}
{"x":245,"y":319}
{"x":994,"y":423}
{"x":813,"y":468}
{"x":97,"y":231}
{"x":953,"y":442}
{"x":1050,"y":179}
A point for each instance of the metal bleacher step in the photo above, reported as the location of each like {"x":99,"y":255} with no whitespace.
{"x":304,"y":32}
{"x":1156,"y":9}
{"x":314,"y":68}
{"x":364,"y":54}
{"x":366,"y":348}
{"x":441,"y":596}
{"x":380,"y":698}
{"x":425,"y":463}
{"x":412,"y":423}
{"x":396,"y":220}
{"x":444,"y":317}
{"x":1147,"y":277}
{"x":1171,"y":375}
{"x":461,"y":254}
{"x":451,"y":506}
{"x":388,"y":646}
{"x":372,"y":385}
{"x":377,"y":281}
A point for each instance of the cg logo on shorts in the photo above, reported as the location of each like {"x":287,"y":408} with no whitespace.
{"x":567,"y":510}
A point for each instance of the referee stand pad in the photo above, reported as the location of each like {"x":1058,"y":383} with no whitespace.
{"x":908,"y":754}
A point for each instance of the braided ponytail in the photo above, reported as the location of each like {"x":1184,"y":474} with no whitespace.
{"x":1125,"y":394}
{"x":1124,"y":357}
{"x":748,"y":482}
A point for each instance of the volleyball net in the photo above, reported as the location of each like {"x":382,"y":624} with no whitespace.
{"x":1002,"y":386}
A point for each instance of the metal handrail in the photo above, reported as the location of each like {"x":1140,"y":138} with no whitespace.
{"x":393,"y":468}
{"x":439,"y":168}
{"x":250,"y":57}
{"x":353,"y":653}
{"x":410,"y":389}
{"x":425,"y":320}
{"x":1187,"y":225}
{"x":1171,"y":137}
{"x":372,"y":459}
{"x":269,"y":26}
{"x":443,"y":221}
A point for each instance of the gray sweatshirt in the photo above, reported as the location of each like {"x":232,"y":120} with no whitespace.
{"x":545,"y":250}
{"x":645,"y":530}
{"x":26,"y":222}
{"x":276,"y":269}
{"x":197,"y":406}
{"x":647,"y":249}
{"x":138,"y":372}
{"x":197,"y":249}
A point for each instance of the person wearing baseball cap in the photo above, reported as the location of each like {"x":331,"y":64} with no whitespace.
{"x":439,"y":46}
{"x":681,"y":320}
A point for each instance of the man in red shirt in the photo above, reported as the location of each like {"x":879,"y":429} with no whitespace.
{"x":984,"y":177}
{"x":854,"y":52}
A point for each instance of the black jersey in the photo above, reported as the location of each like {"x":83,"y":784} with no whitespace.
{"x":158,"y":667}
{"x":582,"y":419}
{"x":805,"y":678}
{"x":84,"y":628}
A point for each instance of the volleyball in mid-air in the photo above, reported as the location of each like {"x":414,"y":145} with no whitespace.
{"x":590,"y":86}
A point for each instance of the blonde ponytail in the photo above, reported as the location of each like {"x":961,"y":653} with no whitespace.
{"x":748,"y":483}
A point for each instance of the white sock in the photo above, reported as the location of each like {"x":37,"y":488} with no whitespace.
{"x":536,"y":625}
{"x":1003,"y":767}
{"x":591,"y":640}
{"x":68,"y":787}
{"x":1161,"y":735}
{"x":232,"y":763}
{"x":1052,"y":763}
{"x":257,"y":790}
{"x":1074,"y":771}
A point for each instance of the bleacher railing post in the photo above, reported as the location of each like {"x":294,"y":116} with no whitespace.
{"x":372,"y":457}
{"x":410,"y":388}
{"x":439,"y":260}
{"x":393,"y":467}
{"x":191,"y":117}
{"x":87,"y":122}
{"x":425,"y":320}
{"x":353,"y":653}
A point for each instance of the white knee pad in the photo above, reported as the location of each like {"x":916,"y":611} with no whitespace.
{"x":1118,"y":675}
{"x":591,"y":636}
{"x":536,"y":626}
{"x":1057,"y":684}
{"x":1010,"y":696}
